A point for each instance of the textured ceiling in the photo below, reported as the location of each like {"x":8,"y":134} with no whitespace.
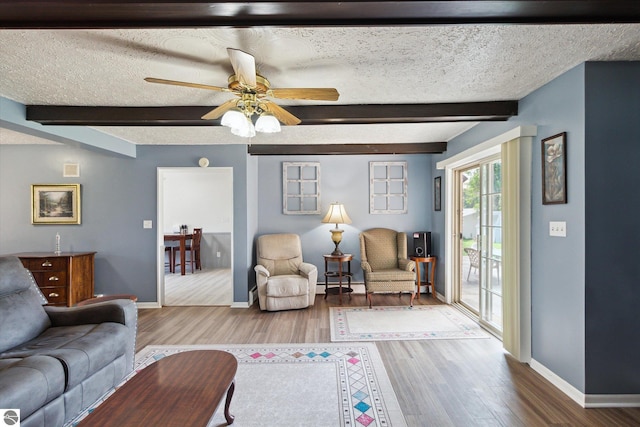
{"x":386,"y":65}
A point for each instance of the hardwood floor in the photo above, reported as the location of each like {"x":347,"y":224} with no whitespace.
{"x":469,"y":382}
{"x":203,"y":287}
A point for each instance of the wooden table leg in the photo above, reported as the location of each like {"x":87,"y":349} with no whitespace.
{"x":432,"y":279}
{"x":340,"y":280}
{"x":418,"y":276}
{"x":227,"y":416}
{"x":182,"y":255}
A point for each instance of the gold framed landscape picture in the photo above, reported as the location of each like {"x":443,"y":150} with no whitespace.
{"x":55,"y":204}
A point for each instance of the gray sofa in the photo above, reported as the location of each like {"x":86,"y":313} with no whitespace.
{"x":56,"y":361}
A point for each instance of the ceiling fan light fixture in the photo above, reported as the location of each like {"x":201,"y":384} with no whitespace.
{"x":233,"y":118}
{"x":244,"y":129}
{"x":267,"y":123}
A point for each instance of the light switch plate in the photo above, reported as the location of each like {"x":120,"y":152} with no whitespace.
{"x":558,"y":228}
{"x":147,"y":223}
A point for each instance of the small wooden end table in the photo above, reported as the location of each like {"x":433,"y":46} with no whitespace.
{"x":431,"y":260}
{"x":183,"y":389}
{"x":339,"y":274}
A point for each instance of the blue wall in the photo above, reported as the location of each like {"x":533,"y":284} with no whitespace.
{"x":557,"y":264}
{"x":613,"y":229}
{"x":584,"y":292}
{"x":344,"y":179}
{"x":117,"y":195}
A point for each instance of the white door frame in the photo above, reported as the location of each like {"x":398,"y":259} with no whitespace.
{"x":162,"y":172}
{"x":522,"y":347}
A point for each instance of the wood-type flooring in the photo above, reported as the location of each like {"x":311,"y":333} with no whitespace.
{"x":470,"y":382}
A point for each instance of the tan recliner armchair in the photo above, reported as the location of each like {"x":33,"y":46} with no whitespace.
{"x":385,"y":264}
{"x":284,"y":281}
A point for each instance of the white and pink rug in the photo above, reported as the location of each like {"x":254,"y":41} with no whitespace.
{"x":293,"y":385}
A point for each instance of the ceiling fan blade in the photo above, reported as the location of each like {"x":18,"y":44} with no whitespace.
{"x":281,"y":114}
{"x":320,"y":94}
{"x":244,"y":66}
{"x":220,"y":110}
{"x":187,"y":84}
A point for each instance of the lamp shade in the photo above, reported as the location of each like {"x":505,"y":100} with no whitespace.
{"x":337,"y":214}
{"x":267,"y":123}
{"x":233,"y":118}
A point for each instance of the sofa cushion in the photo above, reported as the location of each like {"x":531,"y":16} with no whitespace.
{"x":83,"y":349}
{"x":287,"y":286}
{"x":21,"y":313}
{"x":30,"y":383}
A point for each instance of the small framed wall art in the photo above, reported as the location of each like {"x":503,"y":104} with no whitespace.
{"x":437,"y":193}
{"x":554,"y":169}
{"x":55,"y":204}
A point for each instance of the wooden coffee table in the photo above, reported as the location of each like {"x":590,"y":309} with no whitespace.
{"x":183,"y":389}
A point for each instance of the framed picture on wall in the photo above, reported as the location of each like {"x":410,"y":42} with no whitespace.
{"x":554,"y":169}
{"x":55,"y":204}
{"x":437,"y":193}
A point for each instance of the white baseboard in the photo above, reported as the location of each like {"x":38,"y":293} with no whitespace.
{"x":154,"y":304}
{"x":586,"y":400}
{"x":240,"y":304}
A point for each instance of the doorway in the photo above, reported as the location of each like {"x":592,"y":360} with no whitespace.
{"x":198,"y":198}
{"x":479,"y":247}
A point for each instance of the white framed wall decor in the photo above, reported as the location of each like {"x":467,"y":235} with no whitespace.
{"x":388,"y":188}
{"x":301,"y":188}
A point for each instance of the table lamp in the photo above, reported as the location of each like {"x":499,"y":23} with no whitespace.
{"x":336,"y":215}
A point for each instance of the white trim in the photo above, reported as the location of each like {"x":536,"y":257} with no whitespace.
{"x":612,"y":401}
{"x":561,"y":384}
{"x":482,"y":150}
{"x":154,"y":304}
{"x":473,"y":154}
{"x":161,"y":174}
{"x":240,"y":304}
{"x":586,"y":400}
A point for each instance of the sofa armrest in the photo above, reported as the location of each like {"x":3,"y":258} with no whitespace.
{"x":406,"y":264}
{"x":121,"y":311}
{"x":118,"y":311}
{"x":366,"y":266}
{"x":306,"y":269}
{"x":261,"y":269}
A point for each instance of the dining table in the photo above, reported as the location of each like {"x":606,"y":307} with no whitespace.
{"x":182,"y":239}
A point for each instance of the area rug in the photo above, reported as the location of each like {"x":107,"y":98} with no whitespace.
{"x":422,"y":322}
{"x":300,"y":385}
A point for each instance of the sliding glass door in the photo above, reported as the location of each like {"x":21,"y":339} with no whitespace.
{"x":479,"y":283}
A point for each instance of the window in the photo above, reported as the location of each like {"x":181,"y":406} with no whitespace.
{"x":301,"y":188}
{"x":388,"y":187}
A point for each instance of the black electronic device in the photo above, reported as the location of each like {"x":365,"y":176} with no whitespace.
{"x":422,"y":244}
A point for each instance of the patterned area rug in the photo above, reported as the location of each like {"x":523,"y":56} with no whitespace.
{"x":300,"y":385}
{"x":401,"y":323}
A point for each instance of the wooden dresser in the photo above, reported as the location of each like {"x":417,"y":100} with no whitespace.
{"x":64,"y":279}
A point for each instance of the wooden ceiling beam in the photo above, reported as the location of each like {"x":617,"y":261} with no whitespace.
{"x":309,"y":114}
{"x":352,"y":149}
{"x":308,"y":13}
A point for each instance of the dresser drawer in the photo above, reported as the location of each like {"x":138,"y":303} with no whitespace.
{"x":50,"y":278}
{"x":65,"y":278}
{"x":55,"y":295}
{"x":45,"y":264}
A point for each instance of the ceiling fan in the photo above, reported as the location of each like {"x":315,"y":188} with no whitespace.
{"x":252,"y":90}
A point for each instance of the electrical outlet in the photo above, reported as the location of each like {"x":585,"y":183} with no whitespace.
{"x":218,"y":254}
{"x":558,"y":228}
{"x":147,"y":223}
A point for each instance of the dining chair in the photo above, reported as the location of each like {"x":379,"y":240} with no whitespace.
{"x":192,"y":249}
{"x":172,"y":259}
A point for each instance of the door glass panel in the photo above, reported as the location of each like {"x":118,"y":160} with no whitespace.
{"x":469,"y":293}
{"x":491,"y":244}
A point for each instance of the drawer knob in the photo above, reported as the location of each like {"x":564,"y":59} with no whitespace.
{"x":53,"y":279}
{"x":46,"y":264}
{"x":53,"y":295}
